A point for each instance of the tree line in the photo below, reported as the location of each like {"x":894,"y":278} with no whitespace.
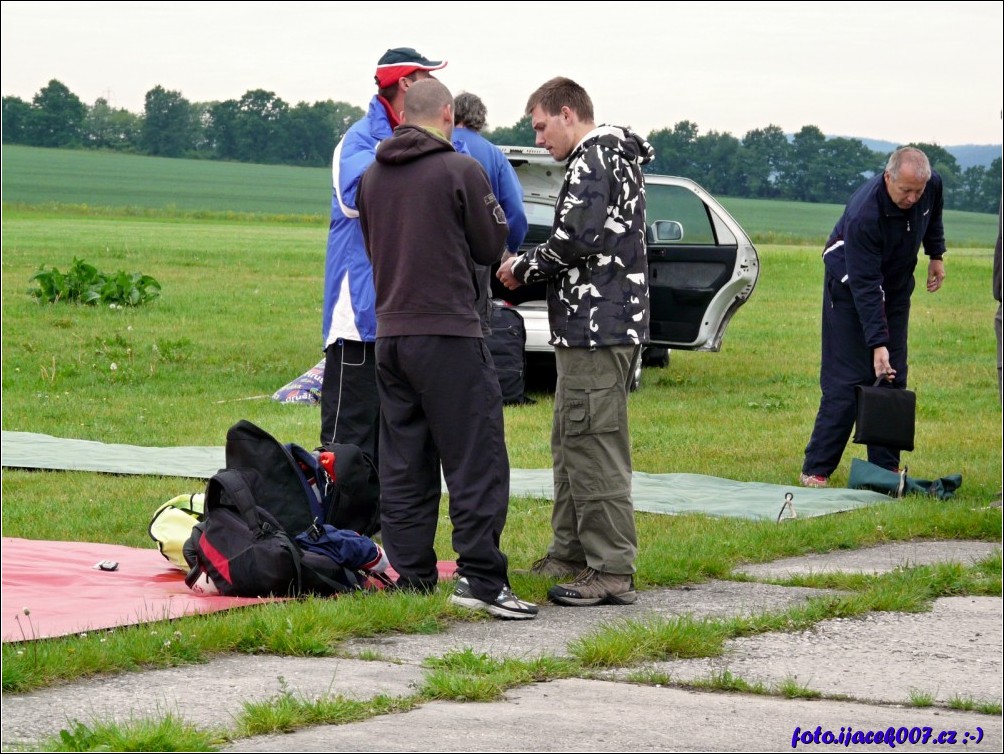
{"x":262,"y":128}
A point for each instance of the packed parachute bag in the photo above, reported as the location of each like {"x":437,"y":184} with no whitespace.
{"x":353,"y":500}
{"x":507,"y":345}
{"x":339,"y":480}
{"x":240,"y":549}
{"x":265,"y":529}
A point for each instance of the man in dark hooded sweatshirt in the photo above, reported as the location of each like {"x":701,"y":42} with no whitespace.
{"x":428,"y":216}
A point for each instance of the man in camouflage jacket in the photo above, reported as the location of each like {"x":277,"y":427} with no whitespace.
{"x":598,"y":308}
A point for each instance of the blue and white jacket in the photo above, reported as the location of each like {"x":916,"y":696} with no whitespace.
{"x":349,"y":301}
{"x":349,"y":298}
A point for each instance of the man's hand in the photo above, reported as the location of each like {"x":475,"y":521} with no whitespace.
{"x":935,"y":274}
{"x":880,"y":361}
{"x":505,"y":274}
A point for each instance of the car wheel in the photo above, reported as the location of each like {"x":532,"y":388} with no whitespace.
{"x":654,"y":356}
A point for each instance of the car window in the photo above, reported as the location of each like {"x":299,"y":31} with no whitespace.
{"x":539,"y":214}
{"x":679,"y":204}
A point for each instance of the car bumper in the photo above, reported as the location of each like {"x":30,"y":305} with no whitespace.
{"x":538,"y":331}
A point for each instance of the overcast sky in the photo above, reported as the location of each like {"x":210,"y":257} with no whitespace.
{"x":902,"y":72}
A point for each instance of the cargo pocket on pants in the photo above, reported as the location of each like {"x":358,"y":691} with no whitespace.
{"x":590,"y":410}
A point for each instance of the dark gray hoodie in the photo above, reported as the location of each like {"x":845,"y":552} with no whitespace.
{"x":428,"y":216}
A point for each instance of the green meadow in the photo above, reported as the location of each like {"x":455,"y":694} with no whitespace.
{"x":92,"y":181}
{"x":239,"y":251}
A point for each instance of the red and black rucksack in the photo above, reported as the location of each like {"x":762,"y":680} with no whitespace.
{"x":264,"y":530}
{"x":239,"y":545}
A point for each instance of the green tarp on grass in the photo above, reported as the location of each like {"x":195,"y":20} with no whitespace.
{"x":653,"y":493}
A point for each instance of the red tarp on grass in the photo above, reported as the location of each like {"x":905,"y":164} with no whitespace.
{"x":57,"y":583}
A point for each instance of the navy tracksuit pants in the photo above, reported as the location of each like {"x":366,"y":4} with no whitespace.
{"x":847,"y":362}
{"x":350,"y":405}
{"x":440,"y":403}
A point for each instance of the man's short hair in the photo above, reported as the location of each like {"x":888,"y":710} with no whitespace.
{"x":469,"y":110}
{"x":561,"y":92}
{"x":909,"y":156}
{"x":425,"y":100}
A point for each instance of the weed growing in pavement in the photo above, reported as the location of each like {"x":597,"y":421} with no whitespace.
{"x":725,"y":680}
{"x":474,"y":677}
{"x":790,"y":688}
{"x":167,"y":733}
{"x":919,"y":698}
{"x":968,"y":703}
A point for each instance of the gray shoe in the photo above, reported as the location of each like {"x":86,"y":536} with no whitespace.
{"x":592,"y":587}
{"x":555,"y":567}
{"x":506,"y":605}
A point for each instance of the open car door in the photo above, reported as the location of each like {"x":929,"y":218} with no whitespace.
{"x":702,"y":265}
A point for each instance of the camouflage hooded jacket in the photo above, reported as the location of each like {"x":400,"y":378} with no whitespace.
{"x":595,"y":260}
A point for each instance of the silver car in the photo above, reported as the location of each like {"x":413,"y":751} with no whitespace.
{"x":702,"y":265}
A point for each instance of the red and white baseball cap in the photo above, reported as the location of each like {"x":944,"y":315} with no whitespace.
{"x":401,"y":61}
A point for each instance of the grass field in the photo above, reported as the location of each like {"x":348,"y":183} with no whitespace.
{"x":239,"y":316}
{"x":36,"y":176}
{"x":781,"y":222}
{"x":193,"y":188}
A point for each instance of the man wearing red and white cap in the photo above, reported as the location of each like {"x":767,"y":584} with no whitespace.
{"x":350,"y":407}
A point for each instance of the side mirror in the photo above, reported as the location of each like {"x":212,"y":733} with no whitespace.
{"x":667,"y":230}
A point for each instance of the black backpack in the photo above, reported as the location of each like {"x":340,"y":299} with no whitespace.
{"x":507,"y":345}
{"x":243,"y":550}
{"x":299,"y":489}
{"x":264,"y":530}
{"x":290,"y":485}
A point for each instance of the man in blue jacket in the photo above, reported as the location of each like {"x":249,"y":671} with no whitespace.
{"x":350,"y":407}
{"x":469,"y":114}
{"x":870,"y":260}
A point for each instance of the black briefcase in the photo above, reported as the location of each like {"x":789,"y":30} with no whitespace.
{"x":886,"y":416}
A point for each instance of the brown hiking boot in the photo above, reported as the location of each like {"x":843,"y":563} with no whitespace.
{"x":555,"y":567}
{"x":592,"y":587}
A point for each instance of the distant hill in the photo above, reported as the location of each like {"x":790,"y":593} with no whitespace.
{"x":966,"y":155}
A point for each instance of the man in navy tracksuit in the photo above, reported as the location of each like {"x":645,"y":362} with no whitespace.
{"x":870,"y":259}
